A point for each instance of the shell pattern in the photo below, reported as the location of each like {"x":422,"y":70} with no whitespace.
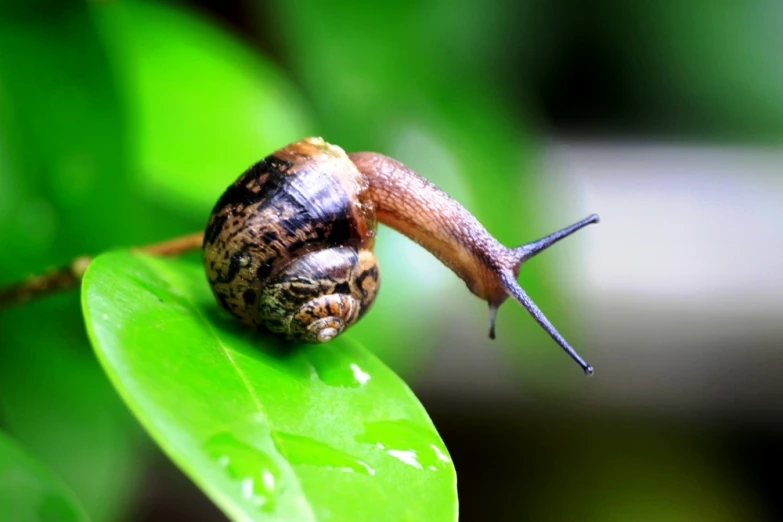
{"x":289,"y":245}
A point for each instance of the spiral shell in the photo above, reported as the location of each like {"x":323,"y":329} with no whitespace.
{"x":288,"y":246}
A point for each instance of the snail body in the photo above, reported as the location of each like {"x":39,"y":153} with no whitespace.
{"x":288,"y":246}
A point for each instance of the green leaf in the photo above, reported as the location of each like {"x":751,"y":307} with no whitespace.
{"x":57,"y":401}
{"x":269,"y":430}
{"x":29,"y":491}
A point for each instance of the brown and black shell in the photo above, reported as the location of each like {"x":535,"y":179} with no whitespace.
{"x":305,"y":197}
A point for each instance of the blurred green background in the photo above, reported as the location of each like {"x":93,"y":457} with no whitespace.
{"x":122,"y":122}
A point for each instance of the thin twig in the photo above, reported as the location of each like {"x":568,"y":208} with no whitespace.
{"x":68,"y":277}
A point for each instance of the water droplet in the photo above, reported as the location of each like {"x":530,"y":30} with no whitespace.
{"x":360,"y":375}
{"x":409,"y":457}
{"x":335,"y":368}
{"x":408,"y":443}
{"x":306,"y":451}
{"x":257,"y":473}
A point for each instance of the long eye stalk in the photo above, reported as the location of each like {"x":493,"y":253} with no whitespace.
{"x":529,"y":250}
{"x":515,"y":291}
{"x":507,"y":278}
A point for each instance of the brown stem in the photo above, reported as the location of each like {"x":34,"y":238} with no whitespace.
{"x":175,"y":246}
{"x":68,"y":277}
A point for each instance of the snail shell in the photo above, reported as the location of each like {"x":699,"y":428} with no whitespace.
{"x":288,"y":246}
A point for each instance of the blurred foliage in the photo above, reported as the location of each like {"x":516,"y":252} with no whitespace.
{"x":698,"y":70}
{"x":121,"y":122}
{"x":623,"y":471}
{"x":201,"y":106}
{"x":63,"y":132}
{"x":535,"y":464}
{"x":29,"y":491}
{"x":718,"y":62}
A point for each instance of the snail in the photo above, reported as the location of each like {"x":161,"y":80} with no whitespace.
{"x":289,"y":245}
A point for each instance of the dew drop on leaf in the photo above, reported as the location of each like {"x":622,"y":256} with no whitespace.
{"x":334,"y":368}
{"x":256,"y":472}
{"x":306,"y":451}
{"x":408,"y":443}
